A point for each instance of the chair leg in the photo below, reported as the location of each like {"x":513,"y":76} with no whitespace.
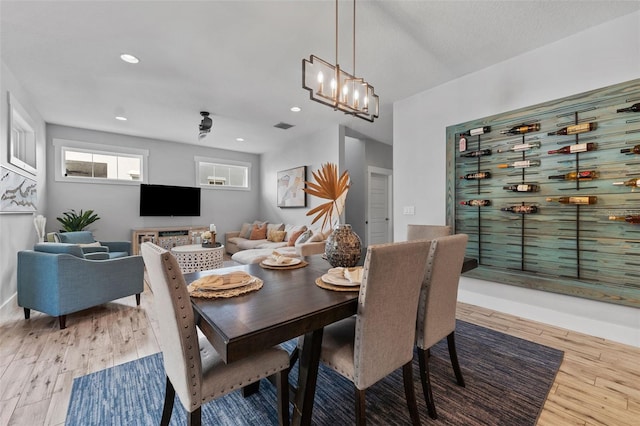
{"x":169,"y":396}
{"x":27,"y":313}
{"x":63,"y":321}
{"x":195,"y":417}
{"x":282,"y":379}
{"x":451,"y":342}
{"x":407,"y":377}
{"x":361,"y":415}
{"x":423,"y":361}
{"x":138,"y":299}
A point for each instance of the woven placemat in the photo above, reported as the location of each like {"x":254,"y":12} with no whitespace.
{"x":302,"y":264}
{"x":213,"y":294}
{"x":328,"y":286}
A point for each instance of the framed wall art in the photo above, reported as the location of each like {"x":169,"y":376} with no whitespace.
{"x":290,"y":185}
{"x":18,"y":194}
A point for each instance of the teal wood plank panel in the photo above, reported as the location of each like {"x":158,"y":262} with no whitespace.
{"x":562,"y":248}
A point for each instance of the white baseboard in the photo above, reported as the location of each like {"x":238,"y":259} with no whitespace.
{"x":607,"y":320}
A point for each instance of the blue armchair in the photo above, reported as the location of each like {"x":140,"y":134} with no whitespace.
{"x":90,"y":245}
{"x":59,"y":279}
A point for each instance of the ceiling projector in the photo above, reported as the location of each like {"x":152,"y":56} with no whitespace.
{"x":205,"y":125}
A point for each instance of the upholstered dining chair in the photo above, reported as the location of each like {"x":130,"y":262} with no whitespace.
{"x":194,"y":369}
{"x":427,"y":232}
{"x":437,"y":307}
{"x":380,"y":338}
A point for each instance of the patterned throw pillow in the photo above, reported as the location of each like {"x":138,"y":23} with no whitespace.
{"x":304,"y":237}
{"x":259,"y":232}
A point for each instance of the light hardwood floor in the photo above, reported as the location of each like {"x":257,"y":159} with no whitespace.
{"x":598,"y":382}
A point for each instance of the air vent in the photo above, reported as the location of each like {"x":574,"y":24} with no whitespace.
{"x":283,"y":126}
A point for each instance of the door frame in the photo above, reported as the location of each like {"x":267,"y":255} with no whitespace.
{"x":389,"y":174}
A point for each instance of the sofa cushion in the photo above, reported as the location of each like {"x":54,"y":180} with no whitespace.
{"x":293,"y":236}
{"x":304,"y":237}
{"x":271,"y":245}
{"x":276,"y":236}
{"x":245,"y":231}
{"x":76,"y":237}
{"x":244,"y":244}
{"x":60,"y":248}
{"x":292,"y":229}
{"x":317,"y":236}
{"x":93,"y":244}
{"x":258,"y":255}
{"x":259,"y":232}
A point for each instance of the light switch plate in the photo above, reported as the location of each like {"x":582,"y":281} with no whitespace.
{"x":409,"y":210}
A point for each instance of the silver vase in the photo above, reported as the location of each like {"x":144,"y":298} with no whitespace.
{"x":343,"y":247}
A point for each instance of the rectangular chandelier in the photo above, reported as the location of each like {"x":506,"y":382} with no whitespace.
{"x":332,"y":86}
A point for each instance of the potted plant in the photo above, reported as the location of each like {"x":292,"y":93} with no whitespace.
{"x":343,"y":247}
{"x":72,"y":221}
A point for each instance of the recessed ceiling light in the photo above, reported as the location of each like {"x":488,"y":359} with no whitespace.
{"x":121,"y":118}
{"x":239,"y":140}
{"x":129,"y":58}
{"x":295,"y":109}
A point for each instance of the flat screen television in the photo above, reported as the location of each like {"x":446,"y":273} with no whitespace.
{"x":167,"y":200}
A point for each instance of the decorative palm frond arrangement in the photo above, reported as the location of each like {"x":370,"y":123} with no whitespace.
{"x":328,"y":186}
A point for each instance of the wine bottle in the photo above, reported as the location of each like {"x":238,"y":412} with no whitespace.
{"x":575,"y":129}
{"x":479,"y":203}
{"x":631,"y":182}
{"x":522,"y":188}
{"x":591,"y":199}
{"x":477,"y":153}
{"x":632,"y":108}
{"x":631,"y":218}
{"x":570,"y":149}
{"x":477,"y":131}
{"x":519,"y":130}
{"x":583,"y":175}
{"x":635,"y":150}
{"x":520,"y":164}
{"x":475,"y":176}
{"x":526,"y":209}
{"x":522,"y":147}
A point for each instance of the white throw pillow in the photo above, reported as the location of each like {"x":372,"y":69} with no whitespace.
{"x":304,"y":237}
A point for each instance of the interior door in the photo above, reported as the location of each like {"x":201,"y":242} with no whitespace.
{"x":379,"y":209}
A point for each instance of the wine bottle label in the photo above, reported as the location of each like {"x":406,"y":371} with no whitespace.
{"x":523,"y":163}
{"x":580,"y":147}
{"x":578,"y":200}
{"x":521,"y":147}
{"x":523,"y":188}
{"x":578,"y":128}
{"x":478,"y":131}
{"x":462,"y":144}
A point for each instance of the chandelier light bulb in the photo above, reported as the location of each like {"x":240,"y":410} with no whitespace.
{"x":334,"y":87}
{"x":356,"y":96}
{"x":345,"y":93}
{"x":320,"y":82}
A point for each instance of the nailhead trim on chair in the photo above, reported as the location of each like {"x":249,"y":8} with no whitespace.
{"x":422,"y":304}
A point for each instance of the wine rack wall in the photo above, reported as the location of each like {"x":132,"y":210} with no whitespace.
{"x":584,"y":250}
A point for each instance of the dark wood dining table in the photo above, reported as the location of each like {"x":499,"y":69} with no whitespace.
{"x":288,"y":305}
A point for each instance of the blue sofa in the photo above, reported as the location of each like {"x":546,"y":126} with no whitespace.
{"x":90,"y":245}
{"x":59,"y":279}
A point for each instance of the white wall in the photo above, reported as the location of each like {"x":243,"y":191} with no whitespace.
{"x":312,"y":151}
{"x":16,"y":230}
{"x":169,"y":164}
{"x":597,"y":57}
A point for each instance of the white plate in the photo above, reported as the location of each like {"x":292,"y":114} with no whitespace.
{"x":271,"y":262}
{"x":250,"y":279}
{"x":335,"y":280}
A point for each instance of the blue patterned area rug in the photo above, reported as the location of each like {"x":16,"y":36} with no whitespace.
{"x":507,"y":381}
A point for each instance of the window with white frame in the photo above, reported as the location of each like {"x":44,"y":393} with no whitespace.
{"x":86,"y":162}
{"x":225,"y":174}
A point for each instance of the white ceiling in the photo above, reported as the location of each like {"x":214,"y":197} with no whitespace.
{"x":241,"y":60}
